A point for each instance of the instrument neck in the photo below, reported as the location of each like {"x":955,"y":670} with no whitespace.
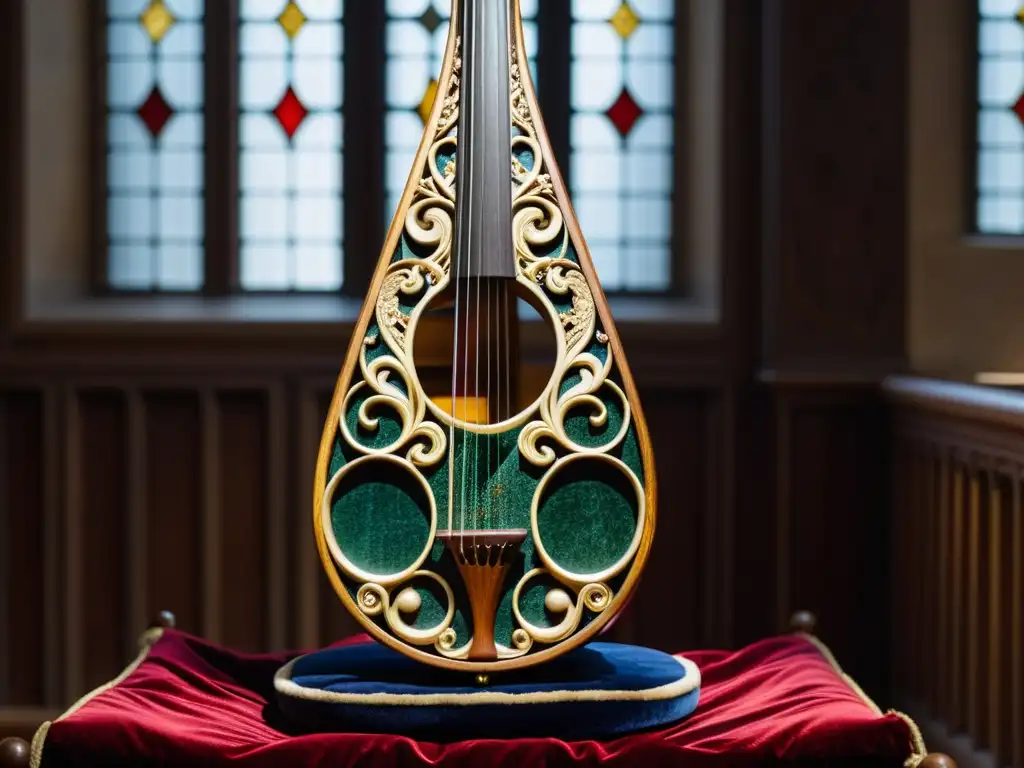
{"x":483,"y":244}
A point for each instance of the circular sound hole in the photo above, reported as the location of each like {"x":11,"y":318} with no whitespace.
{"x":380,"y":517}
{"x":482,"y":353}
{"x":587,"y":516}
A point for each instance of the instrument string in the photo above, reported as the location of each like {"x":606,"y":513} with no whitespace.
{"x":467,"y":244}
{"x":509,"y":318}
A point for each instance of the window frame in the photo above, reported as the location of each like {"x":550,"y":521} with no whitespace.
{"x":962,"y":308}
{"x":363,"y":152}
{"x":51,"y":289}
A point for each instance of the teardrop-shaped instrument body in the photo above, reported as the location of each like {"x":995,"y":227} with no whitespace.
{"x":478,"y":527}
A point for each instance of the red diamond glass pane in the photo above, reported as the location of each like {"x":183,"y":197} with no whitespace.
{"x":155,"y":112}
{"x":1018,"y":107}
{"x":624,"y":113}
{"x":290,"y":112}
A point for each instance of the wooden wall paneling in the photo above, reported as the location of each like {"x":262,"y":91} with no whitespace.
{"x":928,"y":542}
{"x":307,"y":559}
{"x":98,"y":579}
{"x":958,"y":655}
{"x":943,"y":590}
{"x":55,"y":438}
{"x":278,"y":473}
{"x":139,"y":570}
{"x":244,"y":431}
{"x":174,"y":568}
{"x":22,"y":549}
{"x":897,"y":616}
{"x":1000,"y":614}
{"x":833,"y":128}
{"x":832,"y":537}
{"x":977,"y":601}
{"x":721,"y":511}
{"x":212,"y":510}
{"x":1016,"y":665}
{"x":668,"y":610}
{"x":754,"y":544}
{"x":783,"y":507}
{"x":7,"y":533}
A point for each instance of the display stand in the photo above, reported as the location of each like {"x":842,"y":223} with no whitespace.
{"x":182,"y":692}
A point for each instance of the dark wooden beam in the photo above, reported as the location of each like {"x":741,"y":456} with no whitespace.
{"x":221,"y":162}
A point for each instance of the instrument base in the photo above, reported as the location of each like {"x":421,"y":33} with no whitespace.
{"x":599,"y":691}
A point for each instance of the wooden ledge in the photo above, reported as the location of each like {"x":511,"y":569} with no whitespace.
{"x":972,"y":402}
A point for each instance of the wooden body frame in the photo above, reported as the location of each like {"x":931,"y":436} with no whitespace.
{"x":625,"y":591}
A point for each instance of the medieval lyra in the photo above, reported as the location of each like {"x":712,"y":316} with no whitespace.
{"x":466,"y":515}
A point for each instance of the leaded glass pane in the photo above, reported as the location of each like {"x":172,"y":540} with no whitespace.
{"x":155,"y":151}
{"x":290,"y":140}
{"x":621,"y":132}
{"x":999,"y":166}
{"x":417,"y":32}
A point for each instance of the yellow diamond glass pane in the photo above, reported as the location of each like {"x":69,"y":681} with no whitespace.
{"x":1020,"y":14}
{"x":427,"y":103}
{"x":291,"y":19}
{"x":625,"y":20}
{"x":156,"y":20}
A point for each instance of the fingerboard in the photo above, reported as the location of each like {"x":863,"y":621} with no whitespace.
{"x":483,"y":244}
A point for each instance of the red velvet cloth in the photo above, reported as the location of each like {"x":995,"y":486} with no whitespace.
{"x":191,"y":703}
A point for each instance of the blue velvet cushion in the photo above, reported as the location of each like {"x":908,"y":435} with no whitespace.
{"x":599,"y":691}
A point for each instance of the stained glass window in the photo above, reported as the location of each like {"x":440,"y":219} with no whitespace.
{"x":611,"y":108}
{"x":155,"y":144}
{"x":1000,"y":128}
{"x":290,"y":139}
{"x":623,"y":75}
{"x":417,"y":31}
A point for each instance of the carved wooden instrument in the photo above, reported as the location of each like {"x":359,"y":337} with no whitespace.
{"x":464,"y":517}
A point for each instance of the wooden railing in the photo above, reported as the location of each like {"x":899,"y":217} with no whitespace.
{"x":958,"y":565}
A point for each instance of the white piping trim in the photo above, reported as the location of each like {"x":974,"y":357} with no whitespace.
{"x":690,"y":681}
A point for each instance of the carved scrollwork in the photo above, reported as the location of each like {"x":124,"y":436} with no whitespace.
{"x":374,"y":600}
{"x":592,"y":373}
{"x":594,"y":597}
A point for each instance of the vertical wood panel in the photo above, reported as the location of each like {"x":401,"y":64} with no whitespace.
{"x":901,"y":527}
{"x":22,"y":550}
{"x":943,"y":587}
{"x":1016,"y":667}
{"x":97,"y":541}
{"x":783,"y":509}
{"x":677,"y":424}
{"x":958,"y":558}
{"x":977,"y":600}
{"x":135,"y":480}
{"x":243,"y":459}
{"x":173,"y":545}
{"x":1000,"y":618}
{"x":212,"y":511}
{"x":927,"y":580}
{"x":836,"y":533}
{"x":311,"y":418}
{"x":56,"y":435}
{"x":277,"y":474}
